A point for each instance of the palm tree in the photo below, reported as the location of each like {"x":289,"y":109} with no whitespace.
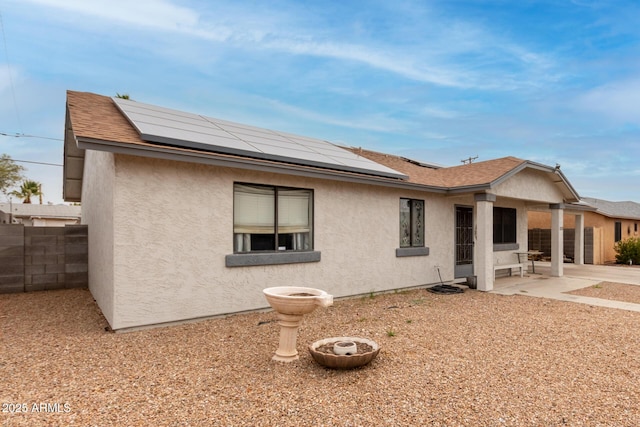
{"x":27,"y":189}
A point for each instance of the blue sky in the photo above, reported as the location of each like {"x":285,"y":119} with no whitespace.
{"x":437,"y":81}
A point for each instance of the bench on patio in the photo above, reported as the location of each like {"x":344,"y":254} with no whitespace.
{"x":510,"y":267}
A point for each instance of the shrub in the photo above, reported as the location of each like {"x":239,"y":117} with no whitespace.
{"x":628,"y":250}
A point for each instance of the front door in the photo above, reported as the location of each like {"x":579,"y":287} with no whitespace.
{"x":464,"y":242}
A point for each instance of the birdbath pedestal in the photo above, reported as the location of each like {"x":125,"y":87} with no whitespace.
{"x":291,"y":303}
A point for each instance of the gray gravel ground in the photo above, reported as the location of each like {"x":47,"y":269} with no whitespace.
{"x":472,"y":359}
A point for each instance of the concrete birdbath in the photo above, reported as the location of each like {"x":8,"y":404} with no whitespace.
{"x":290,"y":304}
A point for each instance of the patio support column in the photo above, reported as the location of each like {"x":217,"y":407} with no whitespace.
{"x":483,"y":252}
{"x":557,"y":241}
{"x":578,"y":250}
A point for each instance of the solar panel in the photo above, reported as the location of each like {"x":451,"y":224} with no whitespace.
{"x":177,"y":128}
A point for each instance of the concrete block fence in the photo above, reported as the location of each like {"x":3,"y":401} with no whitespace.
{"x":42,"y":258}
{"x":540,"y":240}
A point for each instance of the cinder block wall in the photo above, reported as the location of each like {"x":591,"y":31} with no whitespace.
{"x":42,"y":258}
{"x":569,"y":243}
{"x":540,"y":240}
{"x":76,"y":256}
{"x":11,"y":258}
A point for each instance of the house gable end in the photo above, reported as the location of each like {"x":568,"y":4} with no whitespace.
{"x":530,"y":184}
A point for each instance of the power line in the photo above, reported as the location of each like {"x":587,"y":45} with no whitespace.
{"x":36,"y":163}
{"x":23,"y":135}
{"x":13,"y":91}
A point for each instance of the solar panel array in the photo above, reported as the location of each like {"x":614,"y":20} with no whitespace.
{"x":171,"y":127}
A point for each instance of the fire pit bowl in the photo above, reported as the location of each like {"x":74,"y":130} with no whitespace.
{"x":329,"y":359}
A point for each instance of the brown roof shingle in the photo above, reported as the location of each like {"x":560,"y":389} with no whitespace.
{"x":479,"y":173}
{"x":97,"y":117}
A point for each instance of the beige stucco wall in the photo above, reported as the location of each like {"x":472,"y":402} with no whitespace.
{"x":159,"y":232}
{"x":98,"y":190}
{"x":172,"y":228}
{"x":529,"y":185}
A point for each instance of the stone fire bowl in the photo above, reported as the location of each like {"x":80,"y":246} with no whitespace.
{"x":335,"y":361}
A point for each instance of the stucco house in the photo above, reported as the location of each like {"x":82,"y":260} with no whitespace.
{"x":608,"y":222}
{"x":191,"y":216}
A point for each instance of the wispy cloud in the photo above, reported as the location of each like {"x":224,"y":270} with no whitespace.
{"x":439,"y":112}
{"x":616,"y":100}
{"x":431,"y":56}
{"x":374,"y":123}
{"x":8,"y":74}
{"x":153,"y":14}
{"x":550,"y":81}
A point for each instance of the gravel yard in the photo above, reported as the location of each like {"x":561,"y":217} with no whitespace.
{"x":472,"y":359}
{"x":611,"y":291}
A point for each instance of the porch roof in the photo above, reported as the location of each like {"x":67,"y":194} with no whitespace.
{"x":478,"y":176}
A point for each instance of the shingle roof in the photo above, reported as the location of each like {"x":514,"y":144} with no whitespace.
{"x":627,"y":209}
{"x":96,"y":118}
{"x":469,"y":175}
{"x":417,"y":174}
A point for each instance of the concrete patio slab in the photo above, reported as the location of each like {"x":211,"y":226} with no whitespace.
{"x":542,"y":285}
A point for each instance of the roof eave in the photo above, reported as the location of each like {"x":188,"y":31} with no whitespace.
{"x":170,"y":153}
{"x":73,"y":165}
{"x":613,"y":216}
{"x":575,"y":206}
{"x":574,"y":196}
{"x":469,"y":189}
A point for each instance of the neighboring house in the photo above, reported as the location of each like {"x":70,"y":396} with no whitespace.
{"x":30,"y":214}
{"x":191,"y":216}
{"x":611,"y":222}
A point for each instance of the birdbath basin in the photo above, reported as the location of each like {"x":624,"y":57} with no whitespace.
{"x":291,"y":303}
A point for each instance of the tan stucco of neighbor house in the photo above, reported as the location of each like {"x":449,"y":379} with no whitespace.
{"x":161,"y":221}
{"x":611,"y":221}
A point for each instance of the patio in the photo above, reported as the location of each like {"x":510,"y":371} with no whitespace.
{"x":541,"y":284}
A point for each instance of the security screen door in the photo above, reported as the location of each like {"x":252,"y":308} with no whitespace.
{"x":464,"y":242}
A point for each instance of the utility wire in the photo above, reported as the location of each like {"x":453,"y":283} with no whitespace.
{"x":13,"y":91}
{"x":37,"y":163}
{"x":23,"y":135}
